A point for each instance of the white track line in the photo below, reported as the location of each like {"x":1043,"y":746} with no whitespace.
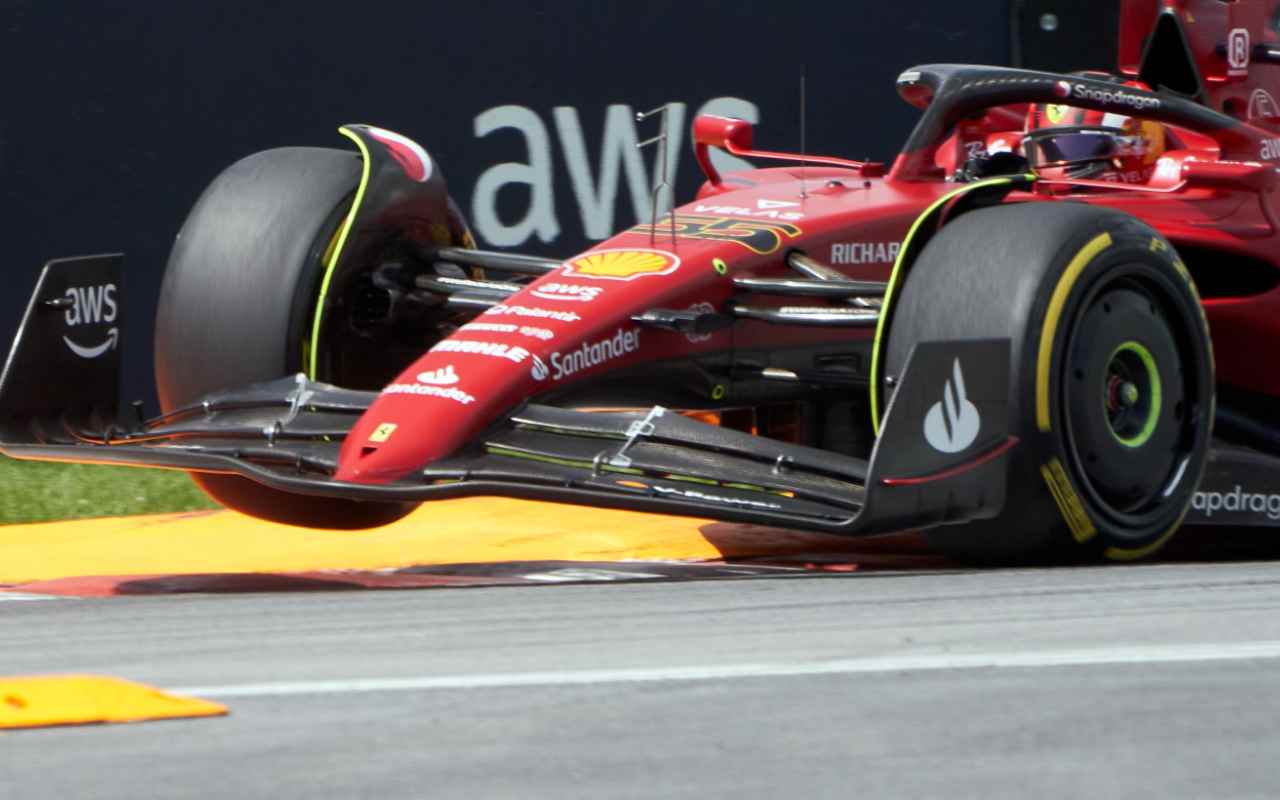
{"x":24,"y":597}
{"x":1166,"y":654}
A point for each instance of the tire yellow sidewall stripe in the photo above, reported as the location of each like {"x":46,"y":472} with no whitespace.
{"x":312,"y":357}
{"x":895,"y":278}
{"x":1044,"y":361}
{"x":1125,"y":554}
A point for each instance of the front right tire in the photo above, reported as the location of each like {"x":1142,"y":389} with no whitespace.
{"x":1112,"y":387}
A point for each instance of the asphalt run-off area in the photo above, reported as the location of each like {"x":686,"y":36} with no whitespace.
{"x":613,"y":654}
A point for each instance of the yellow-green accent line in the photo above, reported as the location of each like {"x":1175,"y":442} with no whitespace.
{"x":895,"y":277}
{"x":1153,"y":416}
{"x":314,"y":354}
{"x":562,"y":462}
{"x":1044,"y":360}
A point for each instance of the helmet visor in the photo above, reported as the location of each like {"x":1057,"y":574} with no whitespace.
{"x":1076,"y":147}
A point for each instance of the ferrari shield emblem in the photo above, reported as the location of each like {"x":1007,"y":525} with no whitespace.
{"x":382,"y":432}
{"x":622,"y":265}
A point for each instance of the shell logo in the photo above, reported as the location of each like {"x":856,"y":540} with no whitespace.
{"x":622,"y":265}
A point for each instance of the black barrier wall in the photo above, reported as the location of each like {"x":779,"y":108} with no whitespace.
{"x":118,"y":112}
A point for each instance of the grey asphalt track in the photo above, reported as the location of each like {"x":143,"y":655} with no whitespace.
{"x":1148,"y":681}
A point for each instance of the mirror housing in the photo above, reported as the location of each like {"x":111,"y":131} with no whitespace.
{"x":726,"y":133}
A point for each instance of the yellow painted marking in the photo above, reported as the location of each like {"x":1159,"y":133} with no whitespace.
{"x":382,"y":432}
{"x":469,"y":530}
{"x":46,"y":700}
{"x":1044,"y":361}
{"x":1077,"y":519}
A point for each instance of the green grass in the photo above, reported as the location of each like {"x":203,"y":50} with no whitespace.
{"x":32,"y":491}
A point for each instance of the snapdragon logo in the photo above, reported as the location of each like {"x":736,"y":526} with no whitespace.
{"x":1111,"y":97}
{"x":1237,"y":500}
{"x":593,"y":354}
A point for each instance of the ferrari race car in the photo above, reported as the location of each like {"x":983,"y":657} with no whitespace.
{"x":1007,"y":337}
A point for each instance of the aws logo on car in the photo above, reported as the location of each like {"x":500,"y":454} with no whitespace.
{"x":90,"y":305}
{"x":622,"y":265}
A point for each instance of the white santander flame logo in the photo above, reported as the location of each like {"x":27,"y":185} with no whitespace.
{"x":952,"y":424}
{"x":539,"y":369}
{"x":445,"y":376}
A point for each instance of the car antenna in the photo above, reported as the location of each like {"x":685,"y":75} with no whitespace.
{"x":660,"y":179}
{"x":804,"y":151}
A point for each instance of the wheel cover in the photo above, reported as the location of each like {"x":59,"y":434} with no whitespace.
{"x":1128,"y":395}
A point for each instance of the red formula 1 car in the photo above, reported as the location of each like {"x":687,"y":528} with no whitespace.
{"x":1008,"y":337}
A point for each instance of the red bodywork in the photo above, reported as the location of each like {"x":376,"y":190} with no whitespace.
{"x":1213,"y":195}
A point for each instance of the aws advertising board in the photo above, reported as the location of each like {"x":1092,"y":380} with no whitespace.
{"x":118,"y":115}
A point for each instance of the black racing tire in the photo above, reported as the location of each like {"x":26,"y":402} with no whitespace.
{"x":237,"y":298}
{"x":1111,"y":375}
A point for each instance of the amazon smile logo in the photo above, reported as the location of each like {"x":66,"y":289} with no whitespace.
{"x":92,"y":305}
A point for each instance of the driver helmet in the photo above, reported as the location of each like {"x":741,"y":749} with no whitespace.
{"x":1065,"y":142}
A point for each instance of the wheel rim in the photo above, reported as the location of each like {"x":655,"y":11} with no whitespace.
{"x":1129,"y":395}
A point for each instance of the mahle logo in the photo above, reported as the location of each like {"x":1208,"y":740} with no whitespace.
{"x":953,"y":423}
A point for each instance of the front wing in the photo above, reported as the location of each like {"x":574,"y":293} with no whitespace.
{"x":286,"y":434}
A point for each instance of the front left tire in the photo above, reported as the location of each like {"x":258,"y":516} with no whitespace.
{"x":237,"y":301}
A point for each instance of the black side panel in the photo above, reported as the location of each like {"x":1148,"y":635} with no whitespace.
{"x":1240,"y":487}
{"x":943,"y":453}
{"x":1167,"y":62}
{"x":66,"y":357}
